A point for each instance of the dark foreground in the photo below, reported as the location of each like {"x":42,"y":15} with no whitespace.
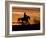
{"x":25,"y":27}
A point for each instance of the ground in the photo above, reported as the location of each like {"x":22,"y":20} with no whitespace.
{"x":25,"y":27}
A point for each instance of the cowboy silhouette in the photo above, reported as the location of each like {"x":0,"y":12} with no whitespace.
{"x":24,"y":19}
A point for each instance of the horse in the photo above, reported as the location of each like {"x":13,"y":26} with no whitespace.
{"x":24,"y":19}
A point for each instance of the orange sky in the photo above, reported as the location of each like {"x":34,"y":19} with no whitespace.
{"x":17,"y":12}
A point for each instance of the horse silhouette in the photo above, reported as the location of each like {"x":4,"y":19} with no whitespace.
{"x":24,"y":19}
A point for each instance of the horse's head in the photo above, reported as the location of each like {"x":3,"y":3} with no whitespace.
{"x":28,"y":17}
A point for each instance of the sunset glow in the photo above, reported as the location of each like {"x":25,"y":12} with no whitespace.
{"x":18,"y":12}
